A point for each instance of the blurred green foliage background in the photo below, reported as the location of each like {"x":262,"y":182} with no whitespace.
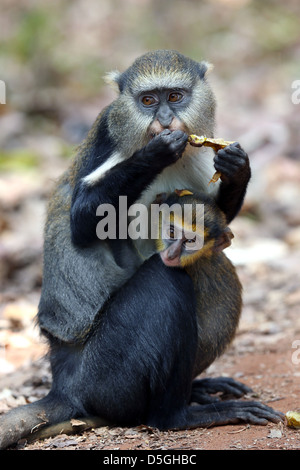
{"x":53,"y":55}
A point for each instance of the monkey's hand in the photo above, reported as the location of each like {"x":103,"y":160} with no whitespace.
{"x":233,"y":163}
{"x":167,"y":147}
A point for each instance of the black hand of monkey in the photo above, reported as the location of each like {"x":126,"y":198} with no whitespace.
{"x":233,"y":163}
{"x":167,"y":147}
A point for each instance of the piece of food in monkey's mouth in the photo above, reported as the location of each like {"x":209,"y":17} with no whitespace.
{"x":216,"y":144}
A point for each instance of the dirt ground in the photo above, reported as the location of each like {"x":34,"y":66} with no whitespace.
{"x":262,"y":356}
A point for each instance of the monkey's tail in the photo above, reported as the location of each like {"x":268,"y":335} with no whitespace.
{"x":42,"y":419}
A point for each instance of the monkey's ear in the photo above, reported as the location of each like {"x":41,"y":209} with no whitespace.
{"x":224,"y":240}
{"x":204,"y":68}
{"x":113,"y":79}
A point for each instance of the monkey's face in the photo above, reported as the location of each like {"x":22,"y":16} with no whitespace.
{"x":187,"y":106}
{"x":161,"y":90}
{"x":179,"y":244}
{"x":163,"y":108}
{"x":189,"y":229}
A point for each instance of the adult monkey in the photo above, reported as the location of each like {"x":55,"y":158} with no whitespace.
{"x":123,"y":332}
{"x":136,"y":148}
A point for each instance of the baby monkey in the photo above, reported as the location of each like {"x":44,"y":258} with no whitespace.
{"x":192,"y":235}
{"x":196,"y":243}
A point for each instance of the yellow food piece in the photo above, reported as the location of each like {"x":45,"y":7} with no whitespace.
{"x":216,"y":144}
{"x":182,"y":192}
{"x":215,"y":177}
{"x":293,"y":419}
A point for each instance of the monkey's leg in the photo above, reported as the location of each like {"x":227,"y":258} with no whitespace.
{"x":202,"y":389}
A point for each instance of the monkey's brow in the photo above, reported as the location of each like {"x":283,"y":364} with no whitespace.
{"x":163,"y":81}
{"x":164,"y":89}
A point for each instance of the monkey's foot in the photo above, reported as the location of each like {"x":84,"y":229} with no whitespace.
{"x":202,"y":389}
{"x":232,"y":412}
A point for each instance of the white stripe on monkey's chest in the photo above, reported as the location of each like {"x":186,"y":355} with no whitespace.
{"x":98,"y":174}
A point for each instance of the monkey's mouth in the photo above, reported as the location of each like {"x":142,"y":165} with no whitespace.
{"x":157,"y":128}
{"x":153,"y":134}
{"x":169,"y":262}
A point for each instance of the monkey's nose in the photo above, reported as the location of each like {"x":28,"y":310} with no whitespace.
{"x":174,"y":250}
{"x":166,"y":123}
{"x":165,"y":116}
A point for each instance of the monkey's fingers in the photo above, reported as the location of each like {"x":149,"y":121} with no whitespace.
{"x":226,"y":385}
{"x":231,"y":412}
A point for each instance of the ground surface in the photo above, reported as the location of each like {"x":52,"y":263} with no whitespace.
{"x":261,"y":356}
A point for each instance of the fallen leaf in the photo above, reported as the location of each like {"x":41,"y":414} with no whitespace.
{"x":274,"y":433}
{"x":77,"y":422}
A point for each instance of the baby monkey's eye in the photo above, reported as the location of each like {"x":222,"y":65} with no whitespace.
{"x":175,"y":97}
{"x":171,"y":232}
{"x":189,"y":241}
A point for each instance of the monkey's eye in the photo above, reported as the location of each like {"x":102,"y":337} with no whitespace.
{"x":188,"y":241}
{"x":148,"y":100}
{"x":175,"y":97}
{"x":171,"y":232}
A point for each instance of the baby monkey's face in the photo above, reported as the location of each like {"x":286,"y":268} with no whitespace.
{"x":182,"y":243}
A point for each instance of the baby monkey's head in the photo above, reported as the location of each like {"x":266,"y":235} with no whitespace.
{"x":190,"y":226}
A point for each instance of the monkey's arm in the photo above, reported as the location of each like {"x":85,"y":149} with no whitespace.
{"x":128,"y":178}
{"x":233,"y":163}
